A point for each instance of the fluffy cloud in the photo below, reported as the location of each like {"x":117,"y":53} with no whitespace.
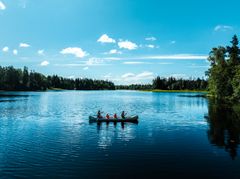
{"x":223,"y":28}
{"x":78,"y":52}
{"x":145,"y":75}
{"x":85,"y":68}
{"x":45,"y":63}
{"x":127,"y":45}
{"x":15,"y":52}
{"x":137,"y":77}
{"x":2,"y":6}
{"x":106,"y":39}
{"x":5,"y":49}
{"x":151,"y":38}
{"x":24,"y":45}
{"x":128,"y":75}
{"x":150,"y":46}
{"x":40,"y":52}
{"x":173,"y":42}
{"x":114,"y":51}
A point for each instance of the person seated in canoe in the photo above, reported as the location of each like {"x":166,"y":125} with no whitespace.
{"x":99,"y":114}
{"x":107,"y":116}
{"x":123,"y":115}
{"x":115,"y":116}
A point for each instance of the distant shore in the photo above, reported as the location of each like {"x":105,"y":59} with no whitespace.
{"x":150,"y":90}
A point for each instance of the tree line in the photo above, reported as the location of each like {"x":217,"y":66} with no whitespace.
{"x":224,"y":74}
{"x":22,"y":80}
{"x":134,"y":87}
{"x":171,"y":83}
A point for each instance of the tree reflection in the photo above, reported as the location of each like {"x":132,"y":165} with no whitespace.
{"x":224,"y":126}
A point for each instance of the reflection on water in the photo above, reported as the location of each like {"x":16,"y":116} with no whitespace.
{"x":109,"y":131}
{"x":48,"y":135}
{"x":12,"y":97}
{"x":224,"y":126}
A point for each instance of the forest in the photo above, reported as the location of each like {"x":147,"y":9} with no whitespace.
{"x":179,"y":84}
{"x":171,"y":83}
{"x":12,"y":79}
{"x":224,"y":74}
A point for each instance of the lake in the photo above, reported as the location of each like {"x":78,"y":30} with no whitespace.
{"x":47,"y":135}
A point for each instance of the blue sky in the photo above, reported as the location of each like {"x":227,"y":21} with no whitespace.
{"x":126,"y":41}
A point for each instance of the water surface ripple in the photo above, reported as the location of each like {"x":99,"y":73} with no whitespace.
{"x":47,"y":135}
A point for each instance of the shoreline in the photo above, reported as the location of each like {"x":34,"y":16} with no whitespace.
{"x":157,"y":91}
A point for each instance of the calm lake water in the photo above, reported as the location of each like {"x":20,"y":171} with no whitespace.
{"x":47,"y":134}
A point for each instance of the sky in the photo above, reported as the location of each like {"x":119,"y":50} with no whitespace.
{"x":124,"y":41}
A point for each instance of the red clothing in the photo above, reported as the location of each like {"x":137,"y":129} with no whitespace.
{"x":107,"y":116}
{"x":115,"y":116}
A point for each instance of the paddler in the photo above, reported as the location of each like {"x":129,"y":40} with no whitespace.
{"x":123,"y":114}
{"x":99,"y":116}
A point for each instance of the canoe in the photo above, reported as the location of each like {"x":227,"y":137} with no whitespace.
{"x":132,"y":119}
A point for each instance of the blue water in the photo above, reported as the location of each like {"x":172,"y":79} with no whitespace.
{"x":47,"y":135}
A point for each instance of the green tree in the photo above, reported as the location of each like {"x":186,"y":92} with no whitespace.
{"x":25,"y":79}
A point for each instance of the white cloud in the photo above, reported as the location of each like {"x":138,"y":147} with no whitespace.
{"x":85,"y":68}
{"x":150,"y":46}
{"x":106,"y":39}
{"x":132,"y":78}
{"x":114,"y":51}
{"x":145,"y":75}
{"x":223,"y":28}
{"x":137,"y":77}
{"x":15,"y":52}
{"x":5,"y":49}
{"x":40,"y":52}
{"x":135,"y":63}
{"x":161,"y":57}
{"x":127,"y":45}
{"x":173,"y":42}
{"x":89,"y":62}
{"x":78,"y":52}
{"x":150,"y":38}
{"x":24,"y":45}
{"x":94,"y":61}
{"x":2,"y":6}
{"x":45,"y":63}
{"x":128,"y":75}
{"x":177,"y":57}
